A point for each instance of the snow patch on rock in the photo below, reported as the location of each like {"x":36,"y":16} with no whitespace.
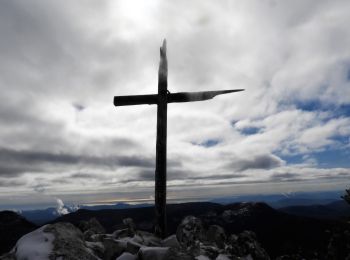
{"x":36,"y":245}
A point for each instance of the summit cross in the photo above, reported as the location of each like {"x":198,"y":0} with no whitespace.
{"x":162,"y":99}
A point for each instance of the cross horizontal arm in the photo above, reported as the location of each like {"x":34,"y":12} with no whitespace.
{"x":171,"y":97}
{"x":197,"y":96}
{"x":135,"y":100}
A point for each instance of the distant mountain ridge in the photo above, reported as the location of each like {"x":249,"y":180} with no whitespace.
{"x":42,"y":216}
{"x":334,"y":210}
{"x":284,"y":199}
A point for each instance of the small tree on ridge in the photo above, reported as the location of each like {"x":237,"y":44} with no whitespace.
{"x":346,"y":196}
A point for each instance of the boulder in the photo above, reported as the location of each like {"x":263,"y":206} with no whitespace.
{"x":170,"y":241}
{"x":121,"y":233}
{"x":216,"y":235}
{"x":113,"y":248}
{"x":68,"y":242}
{"x":223,"y":257}
{"x":189,"y":234}
{"x":129,"y":231}
{"x":92,"y":224}
{"x":132,"y":246}
{"x":208,"y":250}
{"x":147,"y":239}
{"x":154,"y":253}
{"x":202,"y":257}
{"x":245,"y":245}
{"x":90,"y":228}
{"x":127,"y":256}
{"x":130,"y":225}
{"x":228,"y":216}
{"x":291,"y":257}
{"x":54,"y":241}
{"x":97,"y":247}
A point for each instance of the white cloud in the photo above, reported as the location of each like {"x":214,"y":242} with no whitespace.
{"x":61,"y":209}
{"x":60,"y":55}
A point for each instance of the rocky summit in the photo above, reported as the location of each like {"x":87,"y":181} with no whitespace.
{"x":191,"y":241}
{"x":197,"y":231}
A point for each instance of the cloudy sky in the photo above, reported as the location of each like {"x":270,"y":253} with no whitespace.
{"x":63,"y":61}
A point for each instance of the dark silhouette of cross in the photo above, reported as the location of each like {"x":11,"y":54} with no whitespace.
{"x":162,"y":99}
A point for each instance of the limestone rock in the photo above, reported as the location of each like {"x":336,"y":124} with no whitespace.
{"x":154,"y":253}
{"x":90,"y":228}
{"x":170,"y":241}
{"x":130,"y":225}
{"x":68,"y":242}
{"x":189,"y":233}
{"x":127,"y":256}
{"x":54,"y":241}
{"x":113,"y":248}
{"x":216,"y":235}
{"x":245,"y":244}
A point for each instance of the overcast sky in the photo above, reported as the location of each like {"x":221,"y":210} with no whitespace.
{"x":63,"y":61}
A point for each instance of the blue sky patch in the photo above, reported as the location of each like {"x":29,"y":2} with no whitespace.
{"x":333,"y":158}
{"x":208,"y":143}
{"x":345,"y":140}
{"x":325,"y":159}
{"x":311,"y":105}
{"x":317,"y":105}
{"x":250,"y":130}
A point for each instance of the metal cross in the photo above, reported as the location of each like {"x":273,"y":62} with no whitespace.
{"x":162,"y":99}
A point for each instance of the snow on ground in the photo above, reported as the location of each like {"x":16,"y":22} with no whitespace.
{"x":36,"y":245}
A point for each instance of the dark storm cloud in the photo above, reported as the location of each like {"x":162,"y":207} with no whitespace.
{"x":11,"y":171}
{"x":285,"y":177}
{"x":11,"y":183}
{"x":238,"y":182}
{"x":266,"y":161}
{"x":61,"y":181}
{"x":343,"y":174}
{"x":172,"y":174}
{"x":292,"y":177}
{"x":217,"y":177}
{"x":177,"y":174}
{"x":149,"y":174}
{"x":84,"y":175}
{"x":146,"y":175}
{"x":40,"y":188}
{"x":26,"y":159}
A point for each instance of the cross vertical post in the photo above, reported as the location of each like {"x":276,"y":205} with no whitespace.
{"x":161,"y":100}
{"x":160,"y":172}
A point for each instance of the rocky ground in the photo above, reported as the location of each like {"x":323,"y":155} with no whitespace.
{"x":217,"y":235}
{"x":89,"y":241}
